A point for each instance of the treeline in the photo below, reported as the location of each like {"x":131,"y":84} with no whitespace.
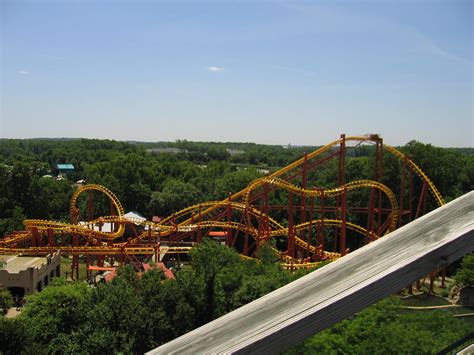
{"x":156,"y":183}
{"x":236,"y":153}
{"x":152,"y":184}
{"x":54,"y":151}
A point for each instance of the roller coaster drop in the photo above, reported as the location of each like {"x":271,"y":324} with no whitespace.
{"x":305,"y":224}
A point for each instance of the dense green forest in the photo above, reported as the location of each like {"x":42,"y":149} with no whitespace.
{"x":145,"y":181}
{"x":131,"y":314}
{"x":386,"y":329}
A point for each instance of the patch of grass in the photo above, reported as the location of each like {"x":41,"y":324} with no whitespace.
{"x":424,"y":300}
{"x":66,"y":268}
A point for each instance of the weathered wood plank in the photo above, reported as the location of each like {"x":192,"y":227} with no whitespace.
{"x":314,"y":302}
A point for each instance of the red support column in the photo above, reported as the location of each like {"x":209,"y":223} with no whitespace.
{"x":246,"y":236}
{"x":321,"y":235}
{"x":36,"y":240}
{"x":310,"y":228}
{"x":402,"y":193}
{"x":304,"y":185}
{"x":370,"y":214}
{"x":424,"y":203}
{"x":122,"y":257}
{"x":341,"y":181}
{"x":443,"y":278}
{"x":342,"y":241}
{"x":291,"y":236}
{"x":379,"y":160}
{"x":199,"y":220}
{"x":75,"y":258}
{"x":228,"y":238}
{"x":50,"y":233}
{"x":422,"y":199}
{"x":246,"y":244}
{"x":432,"y":279}
{"x":88,"y":273}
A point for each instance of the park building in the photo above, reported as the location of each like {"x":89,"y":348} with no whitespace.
{"x":64,"y":169}
{"x":107,"y":227}
{"x":24,"y":275}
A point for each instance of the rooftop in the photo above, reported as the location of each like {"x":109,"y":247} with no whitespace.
{"x":65,"y":166}
{"x":107,"y":227}
{"x":233,"y":152}
{"x":165,"y":150}
{"x":134,"y":215}
{"x":14,"y":264}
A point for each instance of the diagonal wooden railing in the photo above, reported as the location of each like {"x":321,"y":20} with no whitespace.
{"x":316,"y":301}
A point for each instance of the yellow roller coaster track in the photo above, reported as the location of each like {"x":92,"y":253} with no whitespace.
{"x":195,"y":209}
{"x":199,"y":216}
{"x":434,"y":191}
{"x":93,"y":235}
{"x":94,"y":250}
{"x":331,"y":192}
{"x":74,"y":211}
{"x":94,"y":187}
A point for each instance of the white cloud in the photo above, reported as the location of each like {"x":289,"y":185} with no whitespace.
{"x":215,"y":69}
{"x":427,"y":45}
{"x":23,"y":72}
{"x":337,"y":19}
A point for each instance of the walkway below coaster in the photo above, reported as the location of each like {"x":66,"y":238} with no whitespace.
{"x":316,"y":301}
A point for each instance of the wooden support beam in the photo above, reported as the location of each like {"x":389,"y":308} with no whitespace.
{"x":316,"y":301}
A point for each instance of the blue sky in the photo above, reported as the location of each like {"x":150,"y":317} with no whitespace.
{"x":274,"y":72}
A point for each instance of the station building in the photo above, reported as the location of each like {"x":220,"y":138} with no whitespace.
{"x":23,"y":275}
{"x":64,"y":169}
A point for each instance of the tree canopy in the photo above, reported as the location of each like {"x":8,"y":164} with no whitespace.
{"x":465,"y":274}
{"x":385,"y":329}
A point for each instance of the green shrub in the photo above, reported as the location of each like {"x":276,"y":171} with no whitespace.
{"x":465,"y":274}
{"x":6,"y":301}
